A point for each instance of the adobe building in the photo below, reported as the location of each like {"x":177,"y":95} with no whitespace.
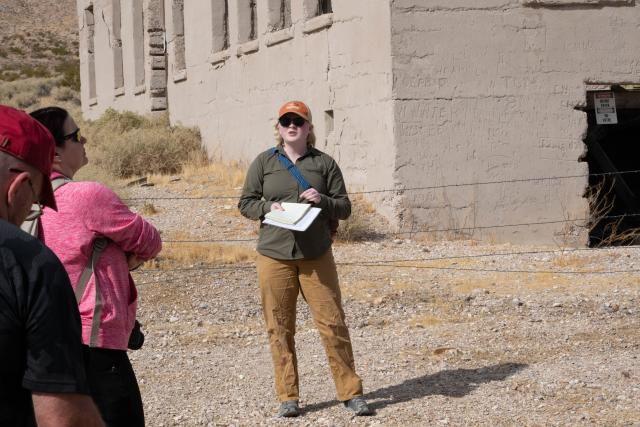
{"x":477,"y":118}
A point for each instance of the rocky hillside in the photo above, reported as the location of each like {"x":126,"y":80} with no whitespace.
{"x":38,"y":38}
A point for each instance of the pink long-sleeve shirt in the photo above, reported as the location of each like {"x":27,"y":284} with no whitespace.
{"x":87,"y":210}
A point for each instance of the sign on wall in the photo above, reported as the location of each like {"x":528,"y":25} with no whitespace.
{"x":605,"y":106}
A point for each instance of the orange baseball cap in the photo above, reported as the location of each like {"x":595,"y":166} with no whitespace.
{"x":296,"y":107}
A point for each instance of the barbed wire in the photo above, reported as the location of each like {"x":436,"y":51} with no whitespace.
{"x":428,"y":230}
{"x":482,"y":227}
{"x":204,"y":271}
{"x":439,"y":258}
{"x":393,"y":263}
{"x":212,"y":241}
{"x":201,"y":270}
{"x":400,"y":190}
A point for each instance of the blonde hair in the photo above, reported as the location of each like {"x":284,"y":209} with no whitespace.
{"x":311,"y":138}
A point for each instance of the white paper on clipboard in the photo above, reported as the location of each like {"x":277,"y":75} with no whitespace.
{"x":301,"y":225}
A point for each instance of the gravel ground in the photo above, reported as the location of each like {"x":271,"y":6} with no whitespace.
{"x":436,"y":341}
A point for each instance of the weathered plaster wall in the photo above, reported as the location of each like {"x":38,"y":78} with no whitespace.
{"x":136,"y":95}
{"x":485,"y":90}
{"x":343,"y":66}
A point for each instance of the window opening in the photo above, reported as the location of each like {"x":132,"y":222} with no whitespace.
{"x":324,"y":6}
{"x":118,"y":71}
{"x":220,"y":24}
{"x":247,"y":20}
{"x":138,"y":43}
{"x":279,"y":14}
{"x":253,"y":34}
{"x":91,"y":59}
{"x":177,"y":12}
{"x":328,"y":121}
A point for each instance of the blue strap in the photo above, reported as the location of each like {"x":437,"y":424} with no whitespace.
{"x":293,"y":170}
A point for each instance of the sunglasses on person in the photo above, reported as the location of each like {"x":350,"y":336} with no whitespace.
{"x":74,"y":136}
{"x":285,"y":121}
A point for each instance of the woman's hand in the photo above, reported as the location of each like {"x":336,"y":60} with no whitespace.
{"x":276,"y":207}
{"x":311,"y":195}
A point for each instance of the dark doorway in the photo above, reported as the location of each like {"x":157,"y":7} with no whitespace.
{"x":613,"y":155}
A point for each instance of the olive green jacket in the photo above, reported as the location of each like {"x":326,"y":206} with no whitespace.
{"x":268,"y":181}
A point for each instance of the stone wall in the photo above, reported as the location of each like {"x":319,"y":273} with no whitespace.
{"x":122,"y":56}
{"x":486,"y":90}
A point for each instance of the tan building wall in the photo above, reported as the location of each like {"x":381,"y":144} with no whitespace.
{"x":405,"y":94}
{"x":486,"y":90}
{"x":339,"y":63}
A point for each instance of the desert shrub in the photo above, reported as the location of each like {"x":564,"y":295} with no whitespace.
{"x":34,"y":71}
{"x":65,"y":94}
{"x":60,"y":50}
{"x":116,"y":122}
{"x":43,"y":88}
{"x":69,"y":72}
{"x":9,"y":76}
{"x":24,"y":99}
{"x":127,"y":144}
{"x":25,"y":93}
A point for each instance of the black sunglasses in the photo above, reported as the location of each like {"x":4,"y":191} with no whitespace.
{"x":74,"y":136}
{"x":285,"y":121}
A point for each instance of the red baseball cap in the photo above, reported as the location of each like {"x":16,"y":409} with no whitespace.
{"x":26,"y":139}
{"x":296,"y":107}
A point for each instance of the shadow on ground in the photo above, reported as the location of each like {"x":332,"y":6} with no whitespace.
{"x":452,"y":383}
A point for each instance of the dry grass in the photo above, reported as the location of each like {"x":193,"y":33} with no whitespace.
{"x":193,"y":254}
{"x":361,"y":224}
{"x":206,"y":179}
{"x":601,"y":198}
{"x":148,"y":209}
{"x":424,"y":321}
{"x":574,"y":261}
{"x":217,"y":173}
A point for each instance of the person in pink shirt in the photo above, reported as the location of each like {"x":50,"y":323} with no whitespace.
{"x":87,"y":213}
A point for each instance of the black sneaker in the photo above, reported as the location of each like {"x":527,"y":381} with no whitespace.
{"x":289,"y":409}
{"x":358,"y":406}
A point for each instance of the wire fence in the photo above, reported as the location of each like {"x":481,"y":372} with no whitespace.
{"x":201,"y":272}
{"x":402,"y":190}
{"x":430,"y":230}
{"x":406,"y":263}
{"x":403,"y":264}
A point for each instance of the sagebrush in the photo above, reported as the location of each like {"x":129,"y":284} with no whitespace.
{"x":126,"y":144}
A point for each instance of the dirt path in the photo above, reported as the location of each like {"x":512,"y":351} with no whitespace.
{"x":438,"y":343}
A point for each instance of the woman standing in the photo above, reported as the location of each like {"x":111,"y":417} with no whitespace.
{"x":98,"y":239}
{"x":290,"y":262}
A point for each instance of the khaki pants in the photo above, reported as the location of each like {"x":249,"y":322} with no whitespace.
{"x":317,"y":279}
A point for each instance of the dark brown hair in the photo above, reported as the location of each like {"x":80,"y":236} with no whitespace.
{"x":52,"y":118}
